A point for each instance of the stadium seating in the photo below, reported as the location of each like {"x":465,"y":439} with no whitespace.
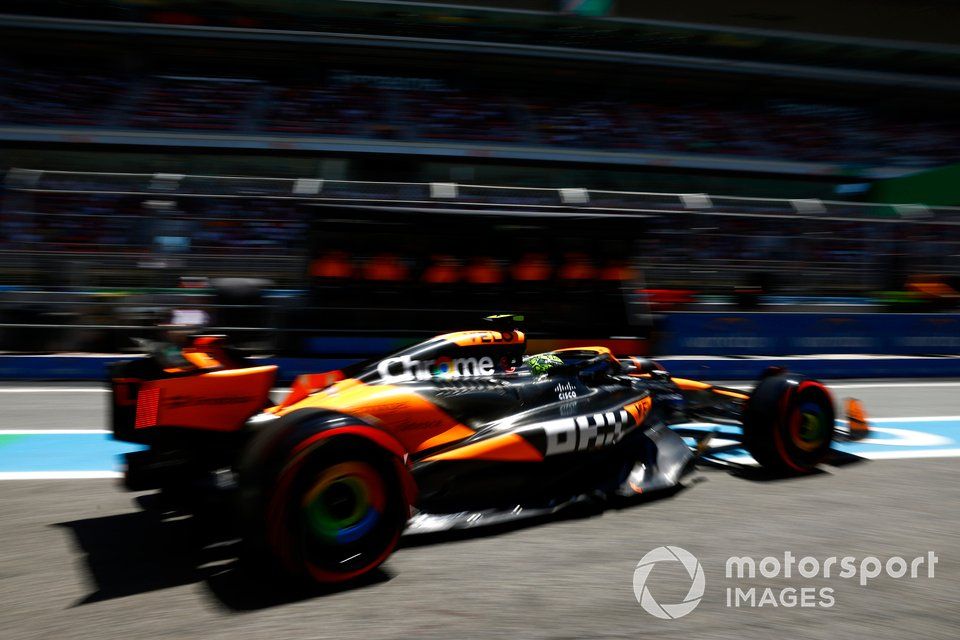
{"x":374,"y":108}
{"x":193,"y":103}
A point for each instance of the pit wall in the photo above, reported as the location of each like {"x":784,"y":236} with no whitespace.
{"x":712,"y":346}
{"x":777,"y":334}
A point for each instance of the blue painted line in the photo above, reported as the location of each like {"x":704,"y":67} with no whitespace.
{"x":62,"y":452}
{"x":888,"y":438}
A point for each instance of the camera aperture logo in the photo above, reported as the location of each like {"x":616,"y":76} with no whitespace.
{"x":661,"y":555}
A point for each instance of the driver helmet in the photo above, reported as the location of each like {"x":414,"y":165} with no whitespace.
{"x":541,"y":363}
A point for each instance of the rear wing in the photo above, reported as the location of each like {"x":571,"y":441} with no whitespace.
{"x":199,"y":387}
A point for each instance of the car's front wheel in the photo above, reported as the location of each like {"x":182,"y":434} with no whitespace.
{"x":788,"y":423}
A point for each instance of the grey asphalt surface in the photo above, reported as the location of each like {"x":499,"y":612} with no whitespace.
{"x":80,"y":559}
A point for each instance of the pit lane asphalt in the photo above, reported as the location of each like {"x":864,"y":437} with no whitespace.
{"x":79,"y":559}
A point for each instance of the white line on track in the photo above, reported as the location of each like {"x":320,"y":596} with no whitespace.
{"x":864,"y":385}
{"x":893,"y":385}
{"x":904,"y":438}
{"x":50,"y":432}
{"x":58,"y":475}
{"x":873,"y":455}
{"x":915,"y":419}
{"x":894,"y":455}
{"x":53,"y":390}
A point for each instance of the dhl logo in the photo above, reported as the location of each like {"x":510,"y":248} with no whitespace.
{"x":640,"y":409}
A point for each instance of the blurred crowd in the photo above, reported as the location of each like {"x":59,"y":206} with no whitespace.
{"x":64,"y":221}
{"x":223,"y":234}
{"x":101,"y":223}
{"x":346,"y":104}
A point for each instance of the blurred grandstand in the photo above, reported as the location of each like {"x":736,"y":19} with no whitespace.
{"x":425,"y":109}
{"x":127,"y":250}
{"x":357,"y":128}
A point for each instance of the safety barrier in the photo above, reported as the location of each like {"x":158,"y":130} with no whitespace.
{"x":764,"y":334}
{"x":93,"y":368}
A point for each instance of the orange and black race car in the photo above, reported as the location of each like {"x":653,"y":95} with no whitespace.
{"x":460,"y":430}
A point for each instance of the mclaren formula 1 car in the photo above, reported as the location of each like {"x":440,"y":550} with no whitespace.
{"x":460,"y":430}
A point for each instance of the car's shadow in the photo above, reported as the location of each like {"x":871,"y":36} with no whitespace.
{"x":754,"y":473}
{"x":149,"y":550}
{"x":152,"y":549}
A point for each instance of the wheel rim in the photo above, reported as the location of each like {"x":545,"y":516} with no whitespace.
{"x":344,"y":504}
{"x":807,"y":426}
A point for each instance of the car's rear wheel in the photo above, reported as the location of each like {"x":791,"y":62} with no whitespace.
{"x":327,"y":508}
{"x":789,"y":423}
